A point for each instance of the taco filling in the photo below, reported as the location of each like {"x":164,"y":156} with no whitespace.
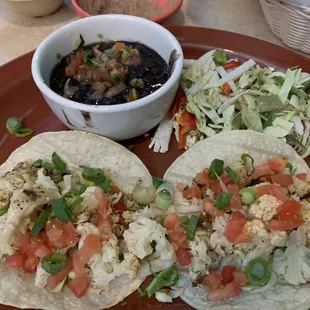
{"x":71,"y":229}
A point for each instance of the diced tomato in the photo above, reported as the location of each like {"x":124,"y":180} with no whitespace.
{"x":23,"y":242}
{"x":273,"y":190}
{"x":289,"y":209}
{"x":179,"y":100}
{"x":233,"y":189}
{"x":61,"y":235}
{"x":42,"y":251}
{"x":226,"y":89}
{"x":232,"y":65}
{"x":192,"y":192}
{"x":209,"y":208}
{"x":16,"y":260}
{"x":202,"y":178}
{"x":115,"y":189}
{"x":69,"y":72}
{"x":119,"y":47}
{"x":282,"y":179}
{"x":120,"y":207}
{"x":182,"y":140}
{"x":91,"y":245}
{"x":177,"y":237}
{"x":31,"y":263}
{"x":227,"y":274}
{"x":213,"y":280}
{"x":215,"y":185}
{"x":229,"y":290}
{"x":171,"y":220}
{"x":277,"y":164}
{"x":103,"y":218}
{"x":183,"y":257}
{"x":79,"y":286}
{"x":234,"y":227}
{"x":240,"y":277}
{"x":284,"y":225}
{"x":188,"y":122}
{"x":301,"y":176}
{"x":180,"y":187}
{"x":261,"y":170}
{"x":54,"y":279}
{"x":243,"y":238}
{"x":235,"y":203}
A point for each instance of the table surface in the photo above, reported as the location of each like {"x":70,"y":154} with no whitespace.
{"x":19,"y":34}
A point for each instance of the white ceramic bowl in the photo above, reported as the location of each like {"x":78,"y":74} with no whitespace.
{"x":121,"y":121}
{"x":34,"y":8}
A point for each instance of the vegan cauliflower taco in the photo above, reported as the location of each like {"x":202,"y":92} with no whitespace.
{"x":244,"y":226}
{"x":63,"y":240}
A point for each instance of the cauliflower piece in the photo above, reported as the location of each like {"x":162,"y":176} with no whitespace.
{"x":141,"y":233}
{"x":200,"y":258}
{"x":278,"y":238}
{"x":89,"y":206}
{"x":218,"y":241}
{"x":44,"y":182}
{"x":255,"y":228}
{"x":85,"y":229}
{"x":300,"y":188}
{"x":66,"y":184}
{"x":106,"y":266}
{"x":130,"y":216}
{"x":266,"y":208}
{"x":293,"y":265}
{"x":41,"y":277}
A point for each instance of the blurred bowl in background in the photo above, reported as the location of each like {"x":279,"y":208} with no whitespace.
{"x":156,"y":10}
{"x":34,"y":8}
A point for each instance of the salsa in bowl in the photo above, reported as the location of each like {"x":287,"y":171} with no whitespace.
{"x":118,"y":118}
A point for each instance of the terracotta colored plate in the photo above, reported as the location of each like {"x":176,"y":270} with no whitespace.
{"x":20,"y":97}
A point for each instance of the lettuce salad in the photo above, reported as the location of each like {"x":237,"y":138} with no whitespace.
{"x":223,"y":95}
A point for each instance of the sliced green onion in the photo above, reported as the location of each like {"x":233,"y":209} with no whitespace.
{"x":73,"y":202}
{"x":291,"y":168}
{"x":97,"y":176}
{"x":61,"y":212}
{"x":48,"y":166}
{"x":54,"y":263}
{"x":23,"y":132}
{"x":59,"y":164}
{"x":248,"y":196}
{"x":258,"y":271}
{"x":184,"y":220}
{"x":13,"y":124}
{"x":168,"y":277}
{"x":222,"y":201}
{"x":5,"y":209}
{"x":232,"y":174}
{"x":40,"y":223}
{"x":191,"y":227}
{"x":163,"y":199}
{"x":157,"y":182}
{"x":37,"y":163}
{"x":141,"y":292}
{"x":216,"y":168}
{"x":56,"y":177}
{"x":248,"y":163}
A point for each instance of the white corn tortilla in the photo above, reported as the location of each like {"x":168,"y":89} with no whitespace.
{"x":229,"y":147}
{"x":124,"y":169}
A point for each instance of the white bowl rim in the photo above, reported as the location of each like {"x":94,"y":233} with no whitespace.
{"x":47,"y":91}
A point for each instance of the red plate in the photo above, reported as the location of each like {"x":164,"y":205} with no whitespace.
{"x":19,"y":97}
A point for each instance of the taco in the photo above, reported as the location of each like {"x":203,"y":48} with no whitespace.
{"x":64,"y":236}
{"x":241,"y":201}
